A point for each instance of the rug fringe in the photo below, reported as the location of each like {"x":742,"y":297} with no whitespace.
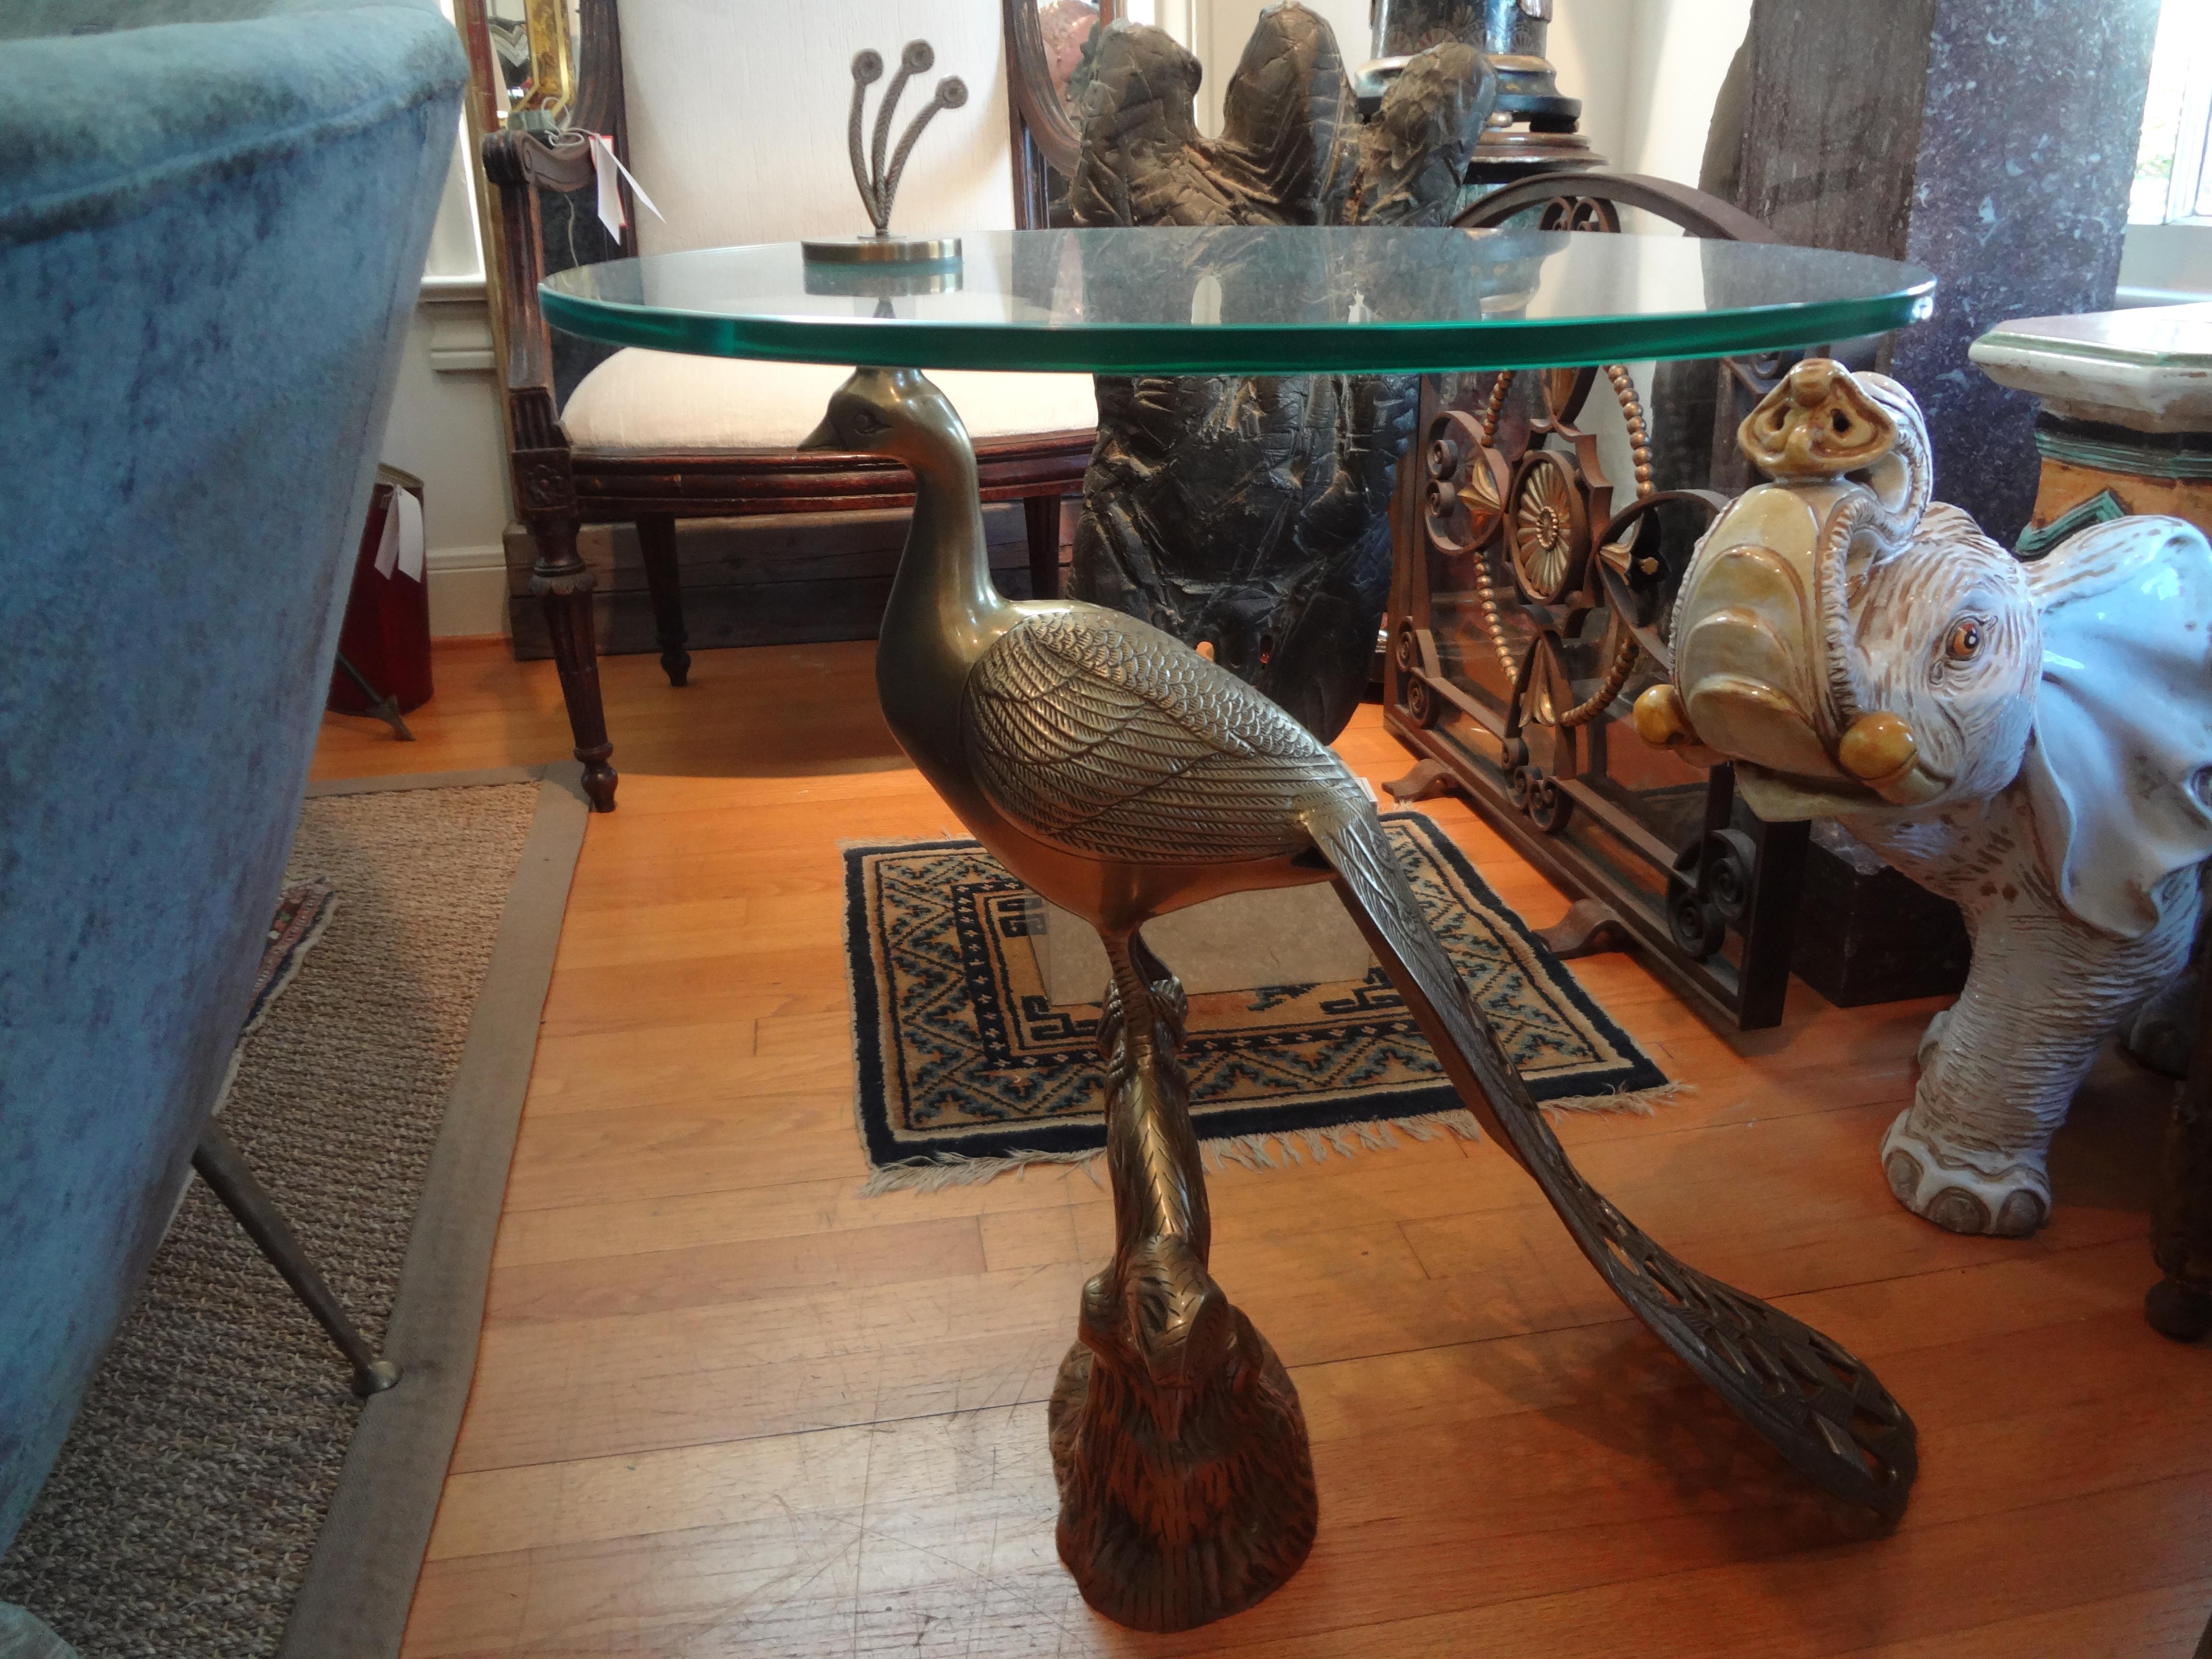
{"x":1272,"y":1150}
{"x":1642,"y":1101}
{"x":934,"y":1174}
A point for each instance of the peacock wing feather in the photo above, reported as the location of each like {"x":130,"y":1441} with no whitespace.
{"x":1098,"y":733}
{"x":1822,"y":1408}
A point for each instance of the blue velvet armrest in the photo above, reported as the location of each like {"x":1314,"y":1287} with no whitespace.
{"x":212,"y":219}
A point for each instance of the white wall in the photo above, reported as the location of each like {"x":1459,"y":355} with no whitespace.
{"x":445,"y":426}
{"x":737,"y":117}
{"x":1677,"y":55}
{"x":446,"y":430}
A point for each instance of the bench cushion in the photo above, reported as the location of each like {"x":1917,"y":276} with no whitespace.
{"x":661,"y":403}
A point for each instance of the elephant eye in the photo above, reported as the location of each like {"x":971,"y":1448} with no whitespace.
{"x":1965,"y":641}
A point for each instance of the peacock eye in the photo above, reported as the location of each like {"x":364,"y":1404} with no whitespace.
{"x":1965,"y":641}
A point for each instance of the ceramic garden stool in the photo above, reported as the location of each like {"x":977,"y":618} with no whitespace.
{"x":2126,"y":422}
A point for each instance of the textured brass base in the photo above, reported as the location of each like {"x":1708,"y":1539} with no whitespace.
{"x":1186,"y":1483}
{"x":1167,"y":1532}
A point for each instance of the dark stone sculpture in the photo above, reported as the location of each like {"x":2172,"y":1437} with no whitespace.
{"x":1991,"y":141}
{"x":1252,"y":515}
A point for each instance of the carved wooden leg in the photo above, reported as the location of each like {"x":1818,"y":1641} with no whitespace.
{"x":1186,"y":1482}
{"x":1042,"y":513}
{"x":1590,"y":928}
{"x":656,"y":541}
{"x":562,"y":582}
{"x":1430,"y":778}
{"x":2180,"y":1305}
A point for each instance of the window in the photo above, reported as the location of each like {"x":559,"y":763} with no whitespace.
{"x":2173,"y":183}
{"x":2167,"y":256}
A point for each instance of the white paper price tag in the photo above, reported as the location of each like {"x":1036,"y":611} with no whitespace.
{"x":387,"y":544}
{"x":607,"y":167}
{"x":411,"y":534}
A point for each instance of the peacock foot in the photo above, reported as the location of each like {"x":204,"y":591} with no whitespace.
{"x":1964,"y":1192}
{"x":1177,"y":1511}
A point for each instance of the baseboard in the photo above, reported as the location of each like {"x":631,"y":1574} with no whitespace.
{"x":468,"y":590}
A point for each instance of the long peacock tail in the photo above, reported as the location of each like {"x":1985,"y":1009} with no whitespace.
{"x":1822,"y":1408}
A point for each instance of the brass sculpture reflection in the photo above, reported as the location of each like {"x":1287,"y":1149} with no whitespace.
{"x":1121,"y":775}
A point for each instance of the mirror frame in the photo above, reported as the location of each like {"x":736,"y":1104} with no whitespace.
{"x":1037,"y":109}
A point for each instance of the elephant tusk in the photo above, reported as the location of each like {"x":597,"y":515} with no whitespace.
{"x":1662,"y":721}
{"x":1880,"y":751}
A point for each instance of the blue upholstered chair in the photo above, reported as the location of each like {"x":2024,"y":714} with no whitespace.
{"x":213,"y":215}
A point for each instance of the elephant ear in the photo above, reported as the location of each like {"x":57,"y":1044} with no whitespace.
{"x":2118,"y":773}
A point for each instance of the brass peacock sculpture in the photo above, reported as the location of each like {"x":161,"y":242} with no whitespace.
{"x":1121,"y":775}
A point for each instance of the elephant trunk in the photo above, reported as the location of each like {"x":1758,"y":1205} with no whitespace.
{"x":1763,"y":670}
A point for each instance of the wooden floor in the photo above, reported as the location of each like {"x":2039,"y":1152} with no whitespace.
{"x":725,"y":1406}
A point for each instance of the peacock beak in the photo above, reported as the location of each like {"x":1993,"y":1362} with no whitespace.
{"x":825,"y":437}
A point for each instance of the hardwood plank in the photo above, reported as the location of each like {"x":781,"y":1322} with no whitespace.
{"x":1552,"y":1502}
{"x":1996,"y":1566}
{"x":2166,"y":1622}
{"x":726,"y":1405}
{"x":718,"y":1275}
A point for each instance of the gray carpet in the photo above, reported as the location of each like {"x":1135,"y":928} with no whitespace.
{"x":182,"y":1519}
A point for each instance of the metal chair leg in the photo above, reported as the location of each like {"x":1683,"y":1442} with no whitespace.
{"x":385,"y":709}
{"x":220,"y":1165}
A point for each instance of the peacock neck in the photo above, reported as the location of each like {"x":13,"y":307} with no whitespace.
{"x":943,"y":612}
{"x":943,"y":580}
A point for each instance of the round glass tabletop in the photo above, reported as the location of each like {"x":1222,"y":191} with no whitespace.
{"x":1248,"y":300}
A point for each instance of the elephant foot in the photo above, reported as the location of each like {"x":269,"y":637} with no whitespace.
{"x":1962,"y":1193}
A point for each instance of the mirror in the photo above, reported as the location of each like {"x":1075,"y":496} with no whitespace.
{"x":528,"y":61}
{"x":1045,"y":41}
{"x":1066,"y":26}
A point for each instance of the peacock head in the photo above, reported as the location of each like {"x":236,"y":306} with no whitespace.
{"x":887,"y":411}
{"x":1166,"y":1314}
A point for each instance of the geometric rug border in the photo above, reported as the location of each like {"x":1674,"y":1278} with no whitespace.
{"x":1634,"y":1075}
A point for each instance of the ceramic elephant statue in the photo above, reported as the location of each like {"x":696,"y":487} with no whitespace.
{"x":2033,"y":741}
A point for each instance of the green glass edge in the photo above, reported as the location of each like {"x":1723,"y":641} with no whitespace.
{"x":1282,"y":348}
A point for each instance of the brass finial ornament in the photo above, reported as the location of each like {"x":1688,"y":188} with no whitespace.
{"x":878,"y":183}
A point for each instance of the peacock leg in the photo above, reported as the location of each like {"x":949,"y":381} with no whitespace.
{"x":1185,"y":1485}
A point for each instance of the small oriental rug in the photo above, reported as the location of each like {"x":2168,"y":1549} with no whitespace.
{"x":965,"y":1071}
